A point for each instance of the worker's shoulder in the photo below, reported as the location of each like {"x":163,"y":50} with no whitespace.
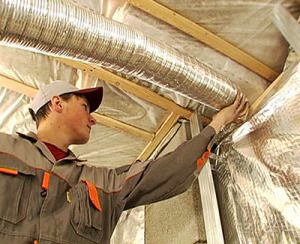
{"x":13,"y":141}
{"x":18,"y":153}
{"x":8,"y":137}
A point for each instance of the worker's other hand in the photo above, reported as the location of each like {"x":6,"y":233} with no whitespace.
{"x":235,"y":112}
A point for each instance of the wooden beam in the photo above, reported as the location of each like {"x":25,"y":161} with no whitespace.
{"x":17,"y":86}
{"x":126,"y":85}
{"x":159,"y":135}
{"x":101,"y":119}
{"x":266,"y":94}
{"x":159,"y":11}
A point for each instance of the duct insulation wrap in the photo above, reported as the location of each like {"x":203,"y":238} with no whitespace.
{"x":61,"y":28}
{"x":257,"y":173}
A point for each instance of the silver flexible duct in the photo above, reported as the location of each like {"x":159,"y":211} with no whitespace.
{"x":258,"y":172}
{"x":61,"y":28}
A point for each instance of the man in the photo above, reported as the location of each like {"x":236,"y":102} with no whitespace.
{"x":49,"y":196}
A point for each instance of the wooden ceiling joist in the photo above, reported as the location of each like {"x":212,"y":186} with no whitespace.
{"x":178,"y":21}
{"x":265,"y":95}
{"x":129,"y":86}
{"x":101,"y":119}
{"x":159,"y":135}
{"x":17,"y":86}
{"x":116,"y":124}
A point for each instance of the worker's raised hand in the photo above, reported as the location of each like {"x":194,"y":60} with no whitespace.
{"x":232,"y":113}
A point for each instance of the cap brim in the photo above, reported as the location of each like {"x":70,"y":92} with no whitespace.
{"x":93,"y":95}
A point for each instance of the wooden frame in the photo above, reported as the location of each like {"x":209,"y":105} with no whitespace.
{"x":189,"y":27}
{"x":262,"y":98}
{"x":17,"y":86}
{"x":279,"y":82}
{"x":159,"y":135}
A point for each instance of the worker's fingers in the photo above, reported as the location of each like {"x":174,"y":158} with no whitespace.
{"x":238,"y":99}
{"x":243,"y":105}
{"x":245,"y":111}
{"x":242,"y":110}
{"x":243,"y":115}
{"x":239,"y":121}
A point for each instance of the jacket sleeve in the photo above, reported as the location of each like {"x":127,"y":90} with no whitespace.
{"x":155,"y":180}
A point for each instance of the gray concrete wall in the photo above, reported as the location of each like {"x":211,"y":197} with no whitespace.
{"x":178,"y":220}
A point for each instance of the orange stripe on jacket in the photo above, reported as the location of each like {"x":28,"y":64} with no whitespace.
{"x":93,"y":195}
{"x":8,"y":171}
{"x":46,"y":181}
{"x":202,"y":160}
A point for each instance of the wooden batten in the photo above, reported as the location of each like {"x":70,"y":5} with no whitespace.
{"x":189,"y":27}
{"x":266,"y":94}
{"x":159,"y":135}
{"x":116,"y":124}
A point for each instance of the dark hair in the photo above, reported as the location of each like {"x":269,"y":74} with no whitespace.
{"x":44,"y":111}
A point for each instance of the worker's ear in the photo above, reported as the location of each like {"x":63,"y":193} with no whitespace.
{"x":56,"y":104}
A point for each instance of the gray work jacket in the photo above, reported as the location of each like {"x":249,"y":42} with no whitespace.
{"x":47,"y":201}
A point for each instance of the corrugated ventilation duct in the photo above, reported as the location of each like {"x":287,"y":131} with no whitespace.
{"x":61,"y":28}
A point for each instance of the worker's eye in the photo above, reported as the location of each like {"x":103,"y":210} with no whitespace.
{"x":86,"y":108}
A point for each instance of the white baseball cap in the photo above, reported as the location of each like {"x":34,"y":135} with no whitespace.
{"x":57,"y":88}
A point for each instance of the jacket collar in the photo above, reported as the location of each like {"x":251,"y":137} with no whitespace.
{"x":32,"y":137}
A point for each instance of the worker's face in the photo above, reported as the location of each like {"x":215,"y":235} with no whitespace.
{"x":77,"y":119}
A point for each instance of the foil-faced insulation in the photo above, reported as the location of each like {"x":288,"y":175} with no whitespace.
{"x":288,"y":26}
{"x":258,"y":172}
{"x":61,"y":28}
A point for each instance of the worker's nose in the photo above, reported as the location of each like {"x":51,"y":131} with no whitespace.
{"x":92,"y":120}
